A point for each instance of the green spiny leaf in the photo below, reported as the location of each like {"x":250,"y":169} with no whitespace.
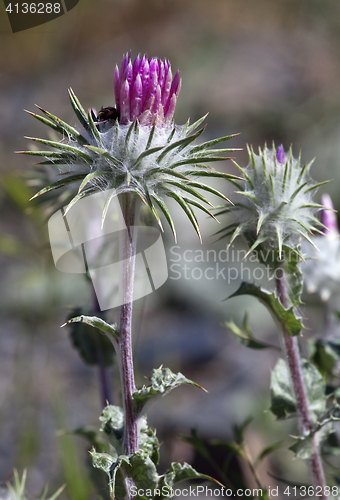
{"x":187,"y":209}
{"x":244,"y":173}
{"x":152,"y":207}
{"x":108,"y":464}
{"x":145,"y":153}
{"x":201,"y":207}
{"x":90,"y":177}
{"x":213,"y":142}
{"x":98,"y":323}
{"x":285,"y":317}
{"x":304,"y":169}
{"x":79,"y":111}
{"x":49,"y":154}
{"x":267,"y":450}
{"x":106,"y":206}
{"x":79,"y":196}
{"x":237,"y":231}
{"x":316,"y":186}
{"x":162,"y":381}
{"x":205,"y":187}
{"x":148,"y":442}
{"x":129,"y":133}
{"x":186,"y":187}
{"x":166,"y":213}
{"x":152,"y":132}
{"x":105,"y":154}
{"x":283,"y":402}
{"x":188,"y":129}
{"x":297,"y":190}
{"x":64,"y":147}
{"x":112,"y":424}
{"x":59,"y":184}
{"x":63,"y":126}
{"x":94,"y":130}
{"x":45,"y":121}
{"x":251,"y":196}
{"x":247,"y":338}
{"x":260,"y":222}
{"x":180,"y":472}
{"x":180,"y":144}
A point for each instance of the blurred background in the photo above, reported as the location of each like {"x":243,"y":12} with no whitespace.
{"x":267,"y":70}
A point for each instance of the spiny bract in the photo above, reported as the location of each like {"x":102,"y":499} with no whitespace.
{"x":275,"y":204}
{"x":148,"y":159}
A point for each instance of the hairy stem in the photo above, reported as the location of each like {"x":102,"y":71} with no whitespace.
{"x":124,"y":349}
{"x":294,"y":364}
{"x":128,"y":206}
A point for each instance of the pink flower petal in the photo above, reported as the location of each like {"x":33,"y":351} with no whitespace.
{"x":167,"y":87}
{"x":136,"y":103}
{"x":328,"y":217}
{"x":125,"y":103}
{"x":116,"y":85}
{"x":136,"y":64}
{"x":171,"y":109}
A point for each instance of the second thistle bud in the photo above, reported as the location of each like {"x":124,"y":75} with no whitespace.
{"x":275,"y":206}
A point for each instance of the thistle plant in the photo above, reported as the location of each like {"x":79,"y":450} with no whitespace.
{"x":275,"y":211}
{"x":136,"y":152}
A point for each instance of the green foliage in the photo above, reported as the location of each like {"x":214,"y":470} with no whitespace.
{"x":113,"y":426}
{"x":100,"y":324}
{"x":148,"y":441}
{"x":163,"y":380}
{"x":285,"y":318}
{"x":142,"y":470}
{"x":325,"y":354}
{"x":246,"y":336}
{"x":282,"y":397}
{"x":237,"y":448}
{"x":141,"y":466}
{"x":17,"y":490}
{"x":95,"y":349}
{"x":92,"y":435}
{"x":283,"y":402}
{"x":303,"y":446}
{"x":112,"y":420}
{"x":293,"y":275}
{"x":179,"y":472}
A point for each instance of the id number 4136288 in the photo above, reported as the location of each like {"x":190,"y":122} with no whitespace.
{"x":34,"y":8}
{"x":312,"y":491}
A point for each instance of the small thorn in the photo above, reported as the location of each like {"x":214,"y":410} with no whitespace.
{"x":41,"y":109}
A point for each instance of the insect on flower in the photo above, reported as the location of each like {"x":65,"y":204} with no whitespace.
{"x":108,"y":113}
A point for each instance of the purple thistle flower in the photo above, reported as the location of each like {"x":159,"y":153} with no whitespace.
{"x":145,"y":90}
{"x":328,"y":216}
{"x":280,"y":154}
